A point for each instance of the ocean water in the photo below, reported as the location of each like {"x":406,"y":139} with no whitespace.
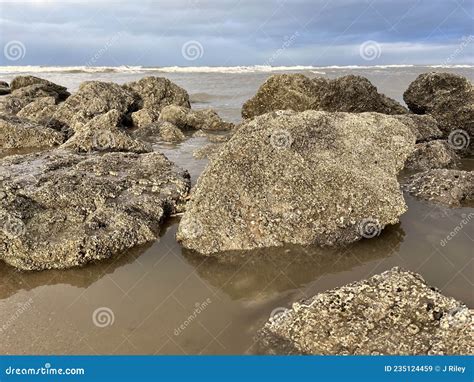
{"x":163,"y":299}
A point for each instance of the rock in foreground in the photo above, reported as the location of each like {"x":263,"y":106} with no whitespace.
{"x":448,"y":187}
{"x":299,"y":93}
{"x":60,"y":210}
{"x":302,"y":178}
{"x":391,"y":313}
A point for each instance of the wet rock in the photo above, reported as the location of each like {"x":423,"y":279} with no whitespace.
{"x":187,"y":119}
{"x":424,"y":127}
{"x":214,"y":138}
{"x":448,"y":187}
{"x":355,"y":94}
{"x":154,"y":93}
{"x":297,"y":92}
{"x":144,"y":117}
{"x":40,"y":111}
{"x":21,"y":97}
{"x":300,"y":178}
{"x":448,"y":97}
{"x":207,"y":152}
{"x":103,"y":133}
{"x":157,"y":131}
{"x":94,"y":206}
{"x":92,"y":99}
{"x":26,"y":81}
{"x":395,"y":313}
{"x":284,"y":92}
{"x":17,"y":132}
{"x":430,"y":155}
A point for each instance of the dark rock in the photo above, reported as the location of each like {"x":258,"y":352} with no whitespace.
{"x":61,"y":210}
{"x":297,"y":92}
{"x":154,"y":93}
{"x":430,"y":155}
{"x":448,"y":97}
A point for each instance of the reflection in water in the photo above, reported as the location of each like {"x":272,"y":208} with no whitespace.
{"x":245,"y":274}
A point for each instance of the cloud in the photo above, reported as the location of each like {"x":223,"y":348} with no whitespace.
{"x":233,"y":32}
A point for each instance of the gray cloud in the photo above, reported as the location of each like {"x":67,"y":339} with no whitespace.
{"x":298,"y":32}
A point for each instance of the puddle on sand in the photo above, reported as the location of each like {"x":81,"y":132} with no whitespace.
{"x":163,"y":299}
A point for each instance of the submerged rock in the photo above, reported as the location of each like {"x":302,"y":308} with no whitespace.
{"x":208,"y":151}
{"x":17,"y":132}
{"x":61,"y":210}
{"x":430,"y":155}
{"x":395,"y":312}
{"x":448,"y":97}
{"x":187,"y":119}
{"x":154,"y":93}
{"x":302,"y":178}
{"x":448,"y":187}
{"x":103,"y":133}
{"x":297,"y":92}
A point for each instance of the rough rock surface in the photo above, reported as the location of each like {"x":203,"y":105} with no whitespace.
{"x":164,"y":131}
{"x":448,"y":187}
{"x":424,"y":127}
{"x":103,"y":133}
{"x":17,"y":132}
{"x":144,"y":117}
{"x":430,"y":155}
{"x":187,"y":119}
{"x":154,"y":93}
{"x":60,"y":209}
{"x":391,"y":313}
{"x":208,"y":151}
{"x":21,"y":97}
{"x":303,"y":178}
{"x":297,"y":92}
{"x":40,"y":111}
{"x":92,"y":99}
{"x":26,"y":81}
{"x":447,"y":97}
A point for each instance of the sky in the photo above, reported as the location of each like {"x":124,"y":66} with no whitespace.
{"x":232,"y":32}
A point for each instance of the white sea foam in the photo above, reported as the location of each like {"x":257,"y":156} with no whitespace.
{"x":202,"y":69}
